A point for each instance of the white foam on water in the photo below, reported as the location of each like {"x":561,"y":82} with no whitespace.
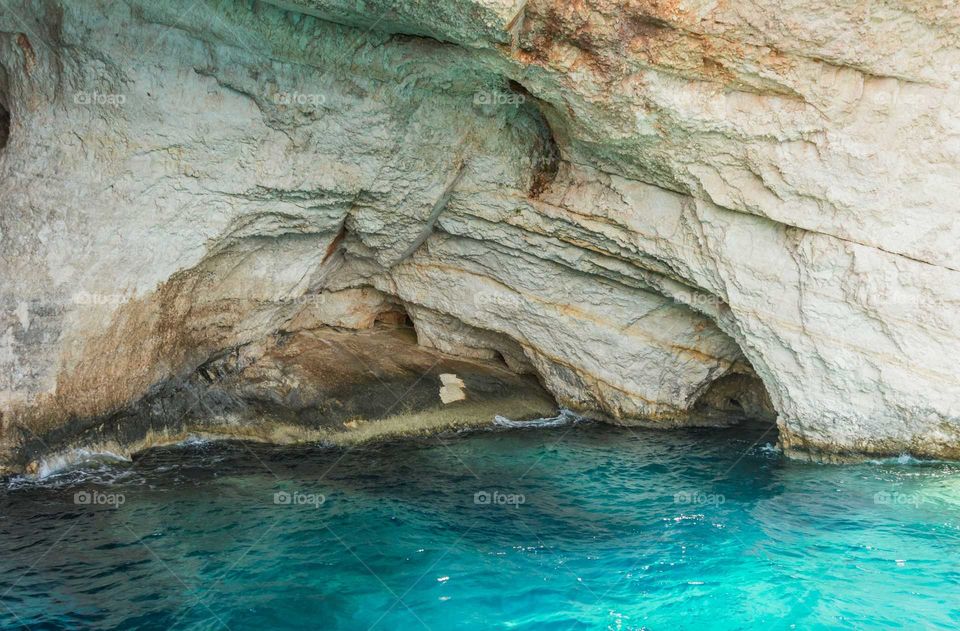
{"x":64,"y":461}
{"x":770,"y":449}
{"x":565,"y":417}
{"x":194,"y":441}
{"x":906,"y":460}
{"x":71,"y":467}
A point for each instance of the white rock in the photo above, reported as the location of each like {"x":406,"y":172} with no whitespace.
{"x":664,"y":197}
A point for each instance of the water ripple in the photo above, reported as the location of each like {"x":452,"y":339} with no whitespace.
{"x":575,"y":525}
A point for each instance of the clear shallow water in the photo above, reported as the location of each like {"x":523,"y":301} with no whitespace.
{"x":615,"y":529}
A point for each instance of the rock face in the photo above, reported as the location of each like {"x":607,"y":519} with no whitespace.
{"x":663,"y":209}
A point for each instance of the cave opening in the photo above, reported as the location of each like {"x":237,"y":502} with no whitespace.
{"x":738,"y":398}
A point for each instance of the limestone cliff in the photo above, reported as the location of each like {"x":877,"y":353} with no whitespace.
{"x":660,"y":208}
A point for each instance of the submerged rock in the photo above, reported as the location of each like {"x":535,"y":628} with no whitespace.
{"x":670,"y":213}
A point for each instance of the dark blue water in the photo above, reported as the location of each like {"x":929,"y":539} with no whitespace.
{"x":580,"y":527}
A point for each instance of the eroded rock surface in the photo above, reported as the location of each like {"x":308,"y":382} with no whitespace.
{"x":326,"y":385}
{"x":654,"y":207}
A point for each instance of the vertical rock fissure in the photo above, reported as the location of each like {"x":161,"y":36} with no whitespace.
{"x":4,"y":125}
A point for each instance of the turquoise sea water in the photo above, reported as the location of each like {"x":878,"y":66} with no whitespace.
{"x":574,"y":527}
